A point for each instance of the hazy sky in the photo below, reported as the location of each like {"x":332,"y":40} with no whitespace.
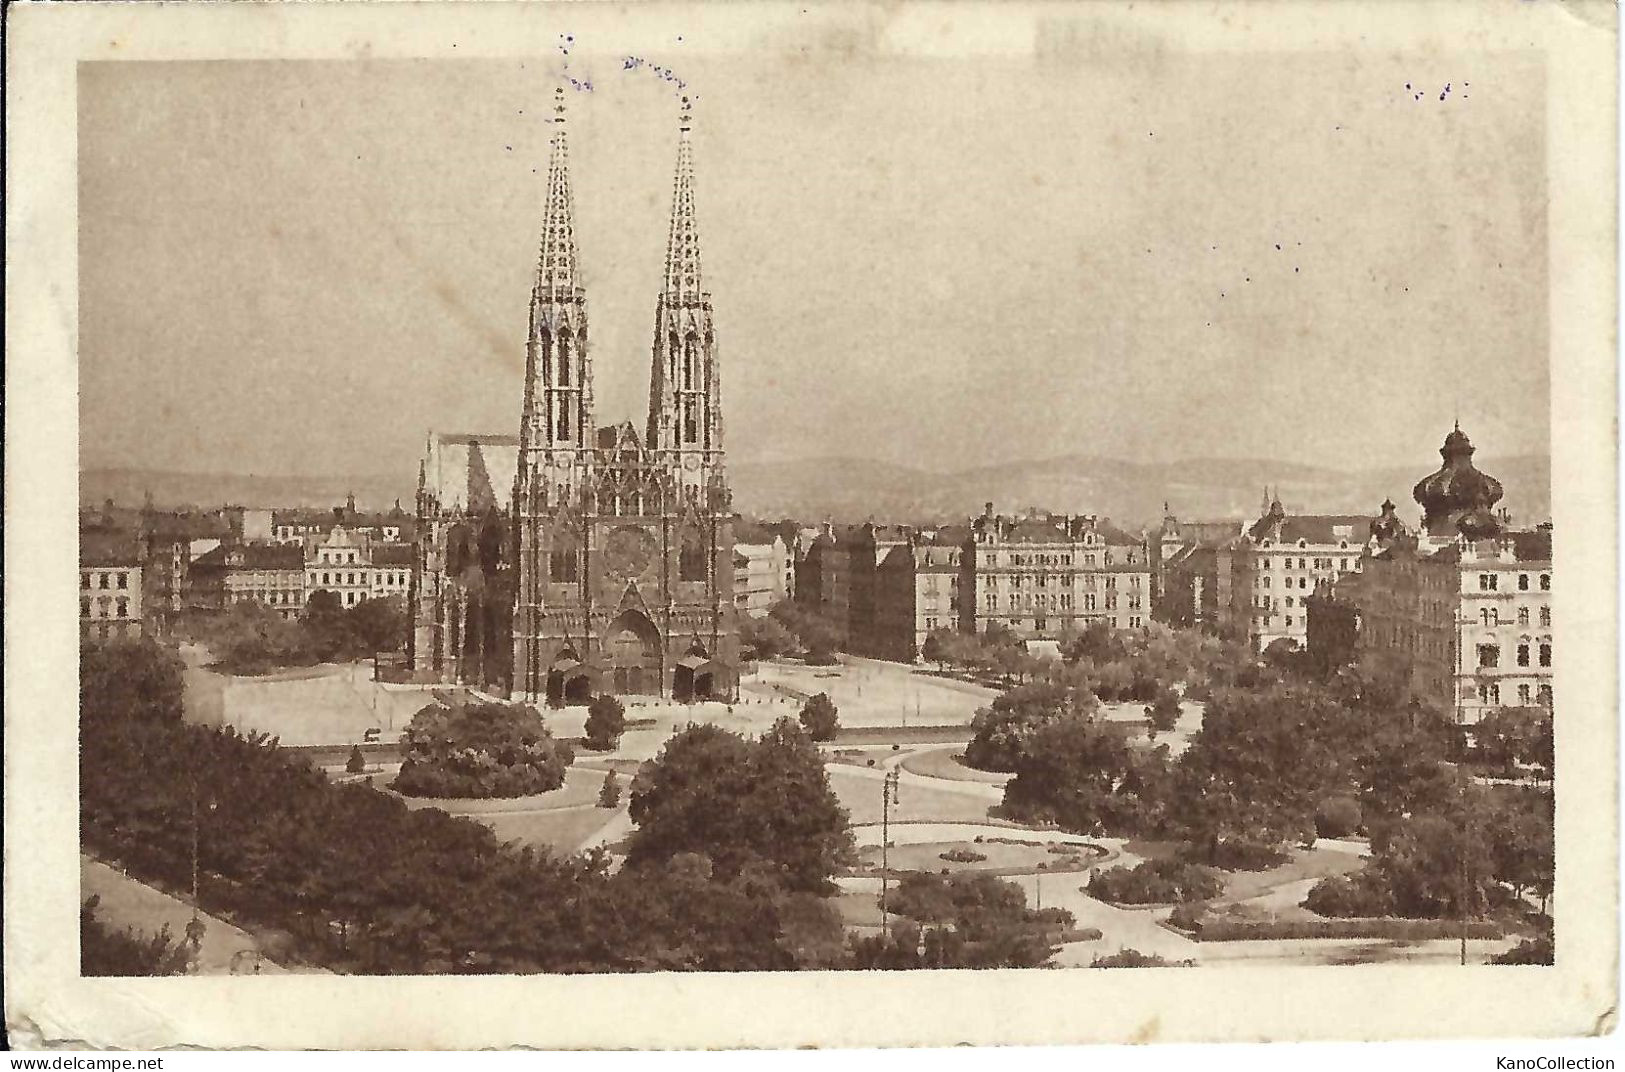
{"x":300,"y":267}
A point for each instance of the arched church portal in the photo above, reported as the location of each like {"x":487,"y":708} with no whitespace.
{"x":632,"y":655}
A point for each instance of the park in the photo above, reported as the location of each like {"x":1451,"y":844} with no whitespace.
{"x":896,"y":764}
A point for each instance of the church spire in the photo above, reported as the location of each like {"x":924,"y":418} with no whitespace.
{"x":556,"y":265}
{"x":683,"y":281}
{"x":684,"y":388}
{"x":557,"y":417}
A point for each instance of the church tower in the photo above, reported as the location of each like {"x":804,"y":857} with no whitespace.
{"x":685,"y":416}
{"x":556,"y":428}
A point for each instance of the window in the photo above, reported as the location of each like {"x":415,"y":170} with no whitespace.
{"x":1523,"y":695}
{"x":123,"y":580}
{"x":1303,"y":582}
{"x":84,"y":608}
{"x":1489,"y":693}
{"x":1545,"y":582}
{"x":1489,"y":655}
{"x":1545,"y":617}
{"x":101,"y":580}
{"x":124,"y":608}
{"x":1523,"y":654}
{"x":1486,"y":582}
{"x":1266,"y":582}
{"x":1523,"y":615}
{"x":561,"y":565}
{"x":1546,"y":654}
{"x":1289,"y":621}
{"x":1089,"y":601}
{"x":1543,"y":695}
{"x":1486,"y":616}
{"x":1302,"y":562}
{"x":1523,"y":582}
{"x":691,"y":560}
{"x":1289,"y":601}
{"x":1040,"y":624}
{"x":992,"y":601}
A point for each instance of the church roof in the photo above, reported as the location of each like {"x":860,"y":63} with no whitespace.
{"x":470,"y":473}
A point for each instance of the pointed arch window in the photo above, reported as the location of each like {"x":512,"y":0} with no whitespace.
{"x":561,"y":566}
{"x":566,"y":354}
{"x":691,"y":559}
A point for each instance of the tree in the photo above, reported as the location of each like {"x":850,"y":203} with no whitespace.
{"x":1085,"y":777}
{"x":1256,"y":771}
{"x":131,"y":677}
{"x":610,"y":795}
{"x":376,"y":625}
{"x":1003,"y":729}
{"x":356,"y":763}
{"x":606,"y":721}
{"x":741,"y":803}
{"x":480,"y":750}
{"x":251,"y":638}
{"x":820,"y":718}
{"x":766,"y":637}
{"x":1164,"y":712}
{"x":107,"y":952}
{"x":327,"y":629}
{"x":935,"y":649}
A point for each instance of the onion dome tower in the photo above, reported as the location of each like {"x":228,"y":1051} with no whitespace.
{"x":1457,"y":500}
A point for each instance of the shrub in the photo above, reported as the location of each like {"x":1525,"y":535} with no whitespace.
{"x":1529,"y":951}
{"x":1337,"y":817}
{"x":1156,"y":882}
{"x":609,"y":796}
{"x":1133,"y":958}
{"x":1399,"y":930}
{"x":1081,"y":934}
{"x":356,"y":763}
{"x":820,"y":718}
{"x":962,"y":856}
{"x":480,"y":751}
{"x":1341,"y":895}
{"x":606,"y":721}
{"x":1247,"y":856}
{"x":1164,"y":711}
{"x":1188,"y":916}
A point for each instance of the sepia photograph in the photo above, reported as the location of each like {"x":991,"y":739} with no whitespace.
{"x":929,"y":494}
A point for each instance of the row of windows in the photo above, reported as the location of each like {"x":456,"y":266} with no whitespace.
{"x":120,"y":579}
{"x":1489,"y":582}
{"x":1042,"y":580}
{"x":1042,"y":624}
{"x":1489,"y":692}
{"x":1089,"y":561}
{"x":121,"y":608}
{"x":1491,"y":616}
{"x":1304,"y":563}
{"x":1489,"y":655}
{"x":1286,"y":582}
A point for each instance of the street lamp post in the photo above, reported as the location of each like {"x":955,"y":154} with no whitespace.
{"x":888,"y":797}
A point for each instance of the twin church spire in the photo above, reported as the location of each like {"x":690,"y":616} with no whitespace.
{"x":558,"y":425}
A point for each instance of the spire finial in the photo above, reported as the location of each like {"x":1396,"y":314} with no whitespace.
{"x":685,"y":117}
{"x":558,"y":105}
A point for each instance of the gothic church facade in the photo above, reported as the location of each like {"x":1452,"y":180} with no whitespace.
{"x":577,"y":558}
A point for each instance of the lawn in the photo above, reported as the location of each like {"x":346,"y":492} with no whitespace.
{"x":948,"y":763}
{"x":927,"y":856}
{"x":860,"y":795}
{"x":559,"y":830}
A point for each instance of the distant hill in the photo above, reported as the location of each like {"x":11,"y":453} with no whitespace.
{"x":129,"y":487}
{"x":853,"y":489}
{"x":1130,"y":493}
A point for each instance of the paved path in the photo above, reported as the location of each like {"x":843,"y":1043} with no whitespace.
{"x":128,"y":903}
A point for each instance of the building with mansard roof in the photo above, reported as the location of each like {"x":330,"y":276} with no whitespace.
{"x":581,"y":558}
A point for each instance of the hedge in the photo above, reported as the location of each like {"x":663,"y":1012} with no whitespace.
{"x":1413,"y":930}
